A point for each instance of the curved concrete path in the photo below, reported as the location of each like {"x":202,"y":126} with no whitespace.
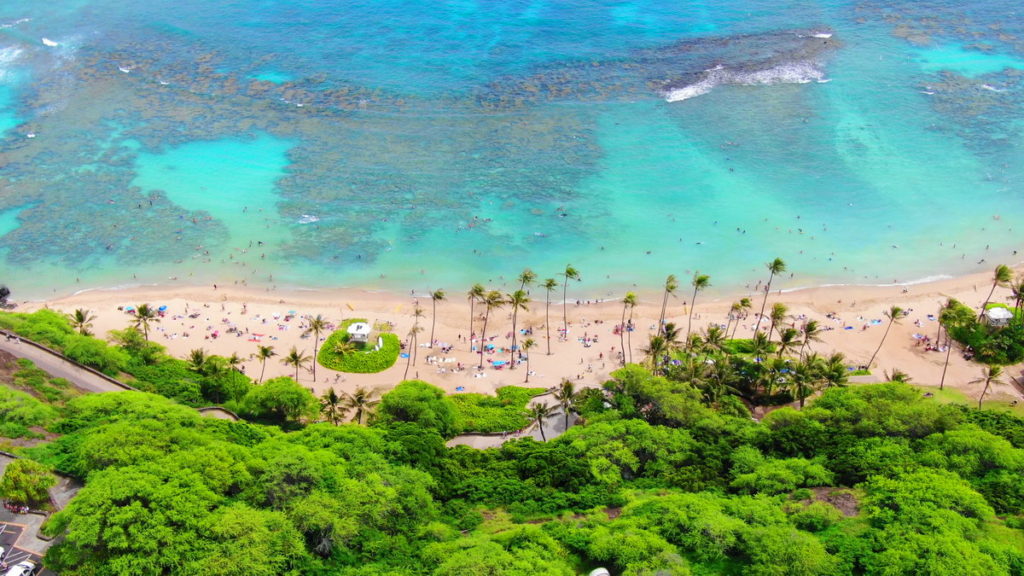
{"x":58,"y":366}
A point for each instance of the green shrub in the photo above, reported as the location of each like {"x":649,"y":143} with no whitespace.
{"x":364,"y":359}
{"x":483,"y":414}
{"x":19,"y":412}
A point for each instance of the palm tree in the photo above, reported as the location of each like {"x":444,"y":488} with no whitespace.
{"x":806,"y":376}
{"x":893,"y":314}
{"x":233,"y":362}
{"x":834,"y":370}
{"x":566,"y":397}
{"x":549,"y":285}
{"x":671,"y":284}
{"x":714,"y":338}
{"x":1017,"y":287}
{"x":656,"y":349}
{"x":413,"y":343}
{"x":343,"y":347}
{"x":671,"y":337}
{"x":745,"y":305}
{"x":991,"y":374}
{"x":569,"y":274}
{"x":629,"y":322}
{"x":538,"y":412}
{"x":417,"y":313}
{"x":788,"y":340}
{"x":362,"y":401}
{"x":317,"y":324}
{"x":760,"y":345}
{"x":263,"y":353}
{"x":734,"y":314}
{"x":528,"y":345}
{"x":526,"y":278}
{"x":475,"y":294}
{"x":435,"y":297}
{"x":518,"y":300}
{"x":331,"y":406}
{"x":776,"y":266}
{"x":492,"y":301}
{"x":197,"y":359}
{"x":627,"y":302}
{"x":144,"y":316}
{"x":897,"y":375}
{"x":811,"y":331}
{"x":81,"y":320}
{"x":297,"y":359}
{"x":1001,"y":277}
{"x":699,"y":282}
{"x":778,"y":314}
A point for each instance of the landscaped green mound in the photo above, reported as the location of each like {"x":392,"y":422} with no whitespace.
{"x":481,"y":413}
{"x":338,"y":353}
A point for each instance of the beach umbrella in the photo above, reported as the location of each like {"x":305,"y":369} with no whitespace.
{"x":162,"y":309}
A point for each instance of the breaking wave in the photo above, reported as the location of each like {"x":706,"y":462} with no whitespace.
{"x":789,"y":73}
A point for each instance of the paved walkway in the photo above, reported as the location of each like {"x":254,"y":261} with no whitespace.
{"x":58,"y":367}
{"x":554,"y":426}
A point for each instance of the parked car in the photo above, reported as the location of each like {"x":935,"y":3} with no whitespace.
{"x":25,"y":568}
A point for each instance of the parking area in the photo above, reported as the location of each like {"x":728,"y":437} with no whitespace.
{"x":10,"y":534}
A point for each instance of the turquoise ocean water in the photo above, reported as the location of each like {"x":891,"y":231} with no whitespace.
{"x":405,"y":145}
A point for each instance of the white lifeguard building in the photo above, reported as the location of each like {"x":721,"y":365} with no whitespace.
{"x":998,"y":316}
{"x":359,"y":332}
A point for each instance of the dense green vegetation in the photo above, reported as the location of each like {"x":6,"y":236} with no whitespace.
{"x":865,"y":480}
{"x":339,"y":354}
{"x":1000,"y":345}
{"x":489,"y":414}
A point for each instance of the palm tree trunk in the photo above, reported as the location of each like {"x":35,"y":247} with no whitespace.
{"x":433,"y":321}
{"x":629,"y":338}
{"x":661,"y":319}
{"x":985,"y":305}
{"x":408,"y":360}
{"x":483,"y":333}
{"x":512,"y":348}
{"x":263,"y":369}
{"x":983,"y":392}
{"x":316,"y":342}
{"x":527,"y":369}
{"x":949,"y":348}
{"x":767,"y":289}
{"x":891,"y":320}
{"x":540,"y":424}
{"x":689,"y":321}
{"x":565,"y":313}
{"x":622,"y":334}
{"x":547,"y":320}
{"x":472,"y":305}
{"x":565,"y":409}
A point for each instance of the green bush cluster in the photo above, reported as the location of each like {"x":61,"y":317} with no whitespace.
{"x":481,"y":413}
{"x":364,"y":359}
{"x":990,"y":344}
{"x":53,"y":329}
{"x":19,"y":412}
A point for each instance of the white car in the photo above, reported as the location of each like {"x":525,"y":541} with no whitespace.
{"x":25,"y":568}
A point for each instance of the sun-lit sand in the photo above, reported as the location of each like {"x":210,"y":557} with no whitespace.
{"x":587,"y":356}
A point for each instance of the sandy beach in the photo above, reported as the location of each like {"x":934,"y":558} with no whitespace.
{"x":852,"y":316}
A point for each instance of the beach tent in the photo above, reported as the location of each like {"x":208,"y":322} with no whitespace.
{"x":998,"y":316}
{"x":359,"y":332}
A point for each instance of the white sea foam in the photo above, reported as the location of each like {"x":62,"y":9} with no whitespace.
{"x":7,"y":56}
{"x":801,"y":72}
{"x":13,"y":24}
{"x":825,"y":35}
{"x":50,"y":43}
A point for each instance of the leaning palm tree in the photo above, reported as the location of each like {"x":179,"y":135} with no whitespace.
{"x":413,"y":343}
{"x":1017,"y":287}
{"x":775,"y":267}
{"x":699,"y":282}
{"x":297,"y":359}
{"x":435,"y":297}
{"x":144,"y":316}
{"x":1001,"y":277}
{"x":788,"y":339}
{"x":317,"y":324}
{"x":627,"y":302}
{"x":893,"y":314}
{"x":417,"y":313}
{"x":528,"y":344}
{"x":331,"y":406}
{"x":629,"y":322}
{"x":745,"y":306}
{"x":519,"y":301}
{"x":362,"y":401}
{"x":548,"y":285}
{"x":492,"y":301}
{"x":566,"y":398}
{"x":569,"y":274}
{"x":778,"y":314}
{"x":671,"y":285}
{"x":538,"y":412}
{"x":263,"y":353}
{"x":811,"y":333}
{"x":991,"y":374}
{"x":81,"y":320}
{"x":526,"y":278}
{"x":475,"y":294}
